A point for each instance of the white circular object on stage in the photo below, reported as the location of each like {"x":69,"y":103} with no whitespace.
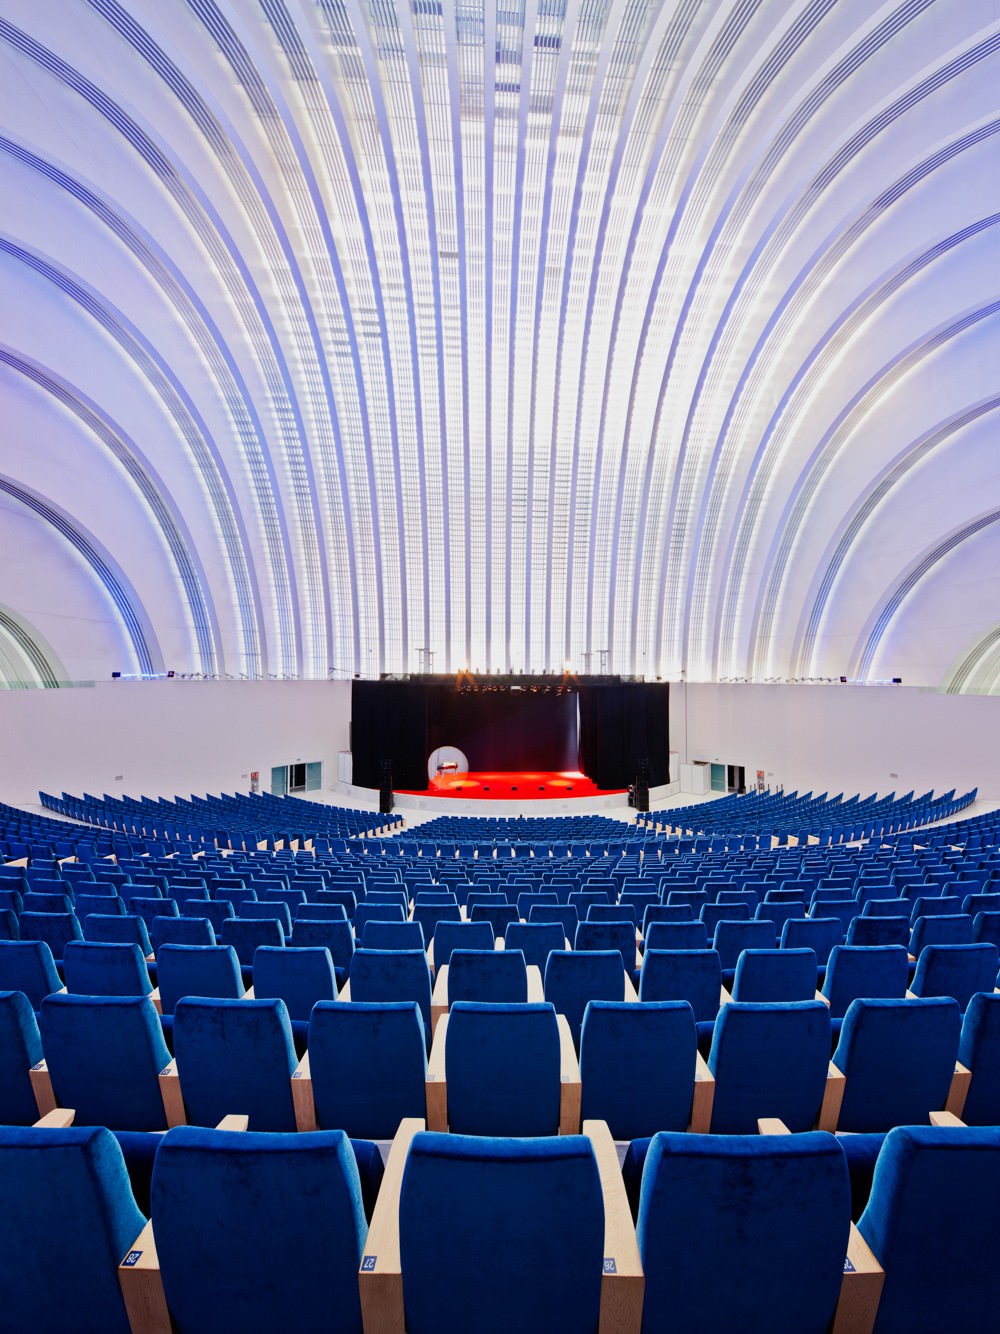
{"x":446,"y":760}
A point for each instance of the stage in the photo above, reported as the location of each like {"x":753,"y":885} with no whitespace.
{"x":512,"y":785}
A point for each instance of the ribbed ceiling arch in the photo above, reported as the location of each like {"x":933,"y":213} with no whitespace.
{"x":652,"y":336}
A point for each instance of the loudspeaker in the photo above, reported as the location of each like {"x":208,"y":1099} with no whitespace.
{"x":641,"y":795}
{"x":385,"y":787}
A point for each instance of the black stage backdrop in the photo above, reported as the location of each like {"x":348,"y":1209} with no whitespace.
{"x":620,"y":725}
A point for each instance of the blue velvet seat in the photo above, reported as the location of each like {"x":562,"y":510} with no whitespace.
{"x":20,"y":1049}
{"x":887,"y":907}
{"x":498,"y":915}
{"x":986,"y":926}
{"x":788,"y":1198}
{"x":958,"y":971}
{"x":146,"y":908}
{"x":55,"y":929}
{"x":775,"y":975}
{"x":376,"y":912}
{"x":216,"y":912}
{"x":535,"y":940}
{"x":475,"y":1211}
{"x":46,"y":1178}
{"x":451,"y":936}
{"x":300,"y":976}
{"x":498,"y":976}
{"x":269,"y":910}
{"x":36,"y":901}
{"x":879,"y":931}
{"x":872,"y":971}
{"x":979,"y":1052}
{"x":180,"y":931}
{"x":393,"y":936}
{"x":246,"y":935}
{"x":237,"y":1258}
{"x":336,"y":936}
{"x":368,"y":1064}
{"x":104,"y":1054}
{"x":392,"y":975}
{"x":613,"y":912}
{"x":950,"y":929}
{"x":769,"y":1060}
{"x":101,"y":968}
{"x":572,"y":979}
{"x":779,"y":913}
{"x":929,"y":1222}
{"x":235,"y":1056}
{"x":28,"y":966}
{"x":197,"y":970}
{"x":320,"y":912}
{"x":712,"y":914}
{"x":691,"y":975}
{"x":662,"y":912}
{"x":112,"y":929}
{"x":104,"y":903}
{"x":731,"y":938}
{"x":618,"y":936}
{"x":637,"y":1066}
{"x":676,"y":936}
{"x":564,"y":913}
{"x":898,"y":1059}
{"x":502,"y":1069}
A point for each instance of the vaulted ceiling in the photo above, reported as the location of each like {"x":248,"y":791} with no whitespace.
{"x":344,"y":338}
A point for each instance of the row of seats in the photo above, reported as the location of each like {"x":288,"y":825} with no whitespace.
{"x":495,"y":1235}
{"x":498,"y":1068}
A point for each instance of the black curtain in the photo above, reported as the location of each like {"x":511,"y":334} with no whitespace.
{"x":622,"y":726}
{"x":504,"y":730}
{"x":389,"y":722}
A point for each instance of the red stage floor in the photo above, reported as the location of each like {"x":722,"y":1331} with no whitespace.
{"x":512,"y":786}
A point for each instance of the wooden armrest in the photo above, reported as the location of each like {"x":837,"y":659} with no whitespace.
{"x":345,"y":992}
{"x":435,"y":1085}
{"x":623,"y":1283}
{"x":860,"y":1288}
{"x":725,"y":997}
{"x":833,"y":1097}
{"x":439,"y":997}
{"x":170,"y":1092}
{"x":536,"y":991}
{"x":58,"y":1119}
{"x":234,"y":1121}
{"x":630,"y":992}
{"x":570,"y":1086}
{"x":41,"y":1087}
{"x":704,"y":1097}
{"x":302,"y":1096}
{"x":824,"y":999}
{"x":959,"y":1090}
{"x":946,"y":1119}
{"x":430,"y":955}
{"x":380,"y":1278}
{"x":771,"y":1125}
{"x":154,"y":996}
{"x":910,"y":995}
{"x":142,"y":1287}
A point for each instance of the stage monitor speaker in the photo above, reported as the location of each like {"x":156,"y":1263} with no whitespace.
{"x":385,"y":787}
{"x":641,"y":795}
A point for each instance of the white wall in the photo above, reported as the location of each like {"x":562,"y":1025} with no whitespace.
{"x":167,"y":738}
{"x":851,"y":738}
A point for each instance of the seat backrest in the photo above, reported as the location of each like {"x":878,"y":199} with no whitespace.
{"x":217,"y":913}
{"x":979,"y":1051}
{"x":344,"y":898}
{"x":392,"y":975}
{"x":104,"y":1054}
{"x":20,"y":1048}
{"x":887,"y":907}
{"x":103,"y":968}
{"x":336,"y":936}
{"x":618,"y":936}
{"x":898,"y":1058}
{"x":691,"y":975}
{"x":472,"y":1209}
{"x":958,"y":971}
{"x":775,"y":975}
{"x":28,"y":966}
{"x":637,"y":1065}
{"x":376,"y":912}
{"x":64,"y":1181}
{"x":180,"y":931}
{"x":614,"y":912}
{"x":769,"y":1060}
{"x":819,"y":934}
{"x":676,"y":936}
{"x":873,"y":971}
{"x":498,"y":976}
{"x":950,"y":929}
{"x":235,"y":1055}
{"x":986,"y":926}
{"x":268,"y":909}
{"x":502,"y":1069}
{"x":794,"y":1206}
{"x":731,"y":938}
{"x":535,"y":940}
{"x":711,"y":914}
{"x":197,"y":970}
{"x":111,"y":929}
{"x":925,"y":1174}
{"x":247,"y":934}
{"x":573,"y":978}
{"x":232,"y":1258}
{"x":879,"y":931}
{"x":498,"y":915}
{"x":55,"y":929}
{"x":564,"y":913}
{"x":368,"y":1063}
{"x":299,"y":975}
{"x":450,"y":936}
{"x":393,"y":936}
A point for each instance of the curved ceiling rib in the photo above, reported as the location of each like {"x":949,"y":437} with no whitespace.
{"x":417,"y":335}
